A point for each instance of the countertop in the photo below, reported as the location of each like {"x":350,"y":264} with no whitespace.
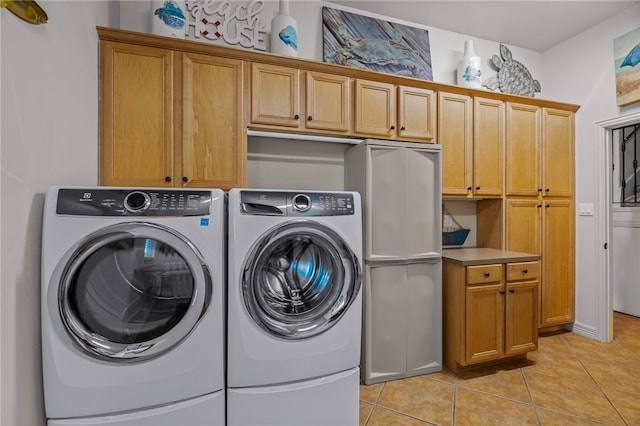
{"x":483,"y":255}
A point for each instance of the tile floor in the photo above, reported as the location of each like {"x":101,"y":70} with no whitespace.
{"x":570,"y":380}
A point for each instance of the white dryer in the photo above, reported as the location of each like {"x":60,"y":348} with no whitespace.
{"x":294,"y":307}
{"x":133,"y":297}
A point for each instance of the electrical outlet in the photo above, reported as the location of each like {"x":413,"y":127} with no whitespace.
{"x":586,"y":209}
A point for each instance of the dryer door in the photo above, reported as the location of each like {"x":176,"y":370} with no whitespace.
{"x":133,"y":291}
{"x":299,"y":280}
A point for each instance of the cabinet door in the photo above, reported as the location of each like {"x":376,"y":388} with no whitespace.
{"x":136,"y":109}
{"x":423,"y":307}
{"x":521,"y":324}
{"x":484,"y":322}
{"x":557,"y":294}
{"x":213,"y":149}
{"x":275,"y":95}
{"x":523,"y":150}
{"x":522,"y":225}
{"x":416,"y":114}
{"x":328,"y":102}
{"x":557,"y":152}
{"x":384,"y":351}
{"x":454,"y":134}
{"x":375,"y":108}
{"x":488,"y":147}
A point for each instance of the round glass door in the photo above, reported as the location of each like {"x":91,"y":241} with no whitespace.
{"x":299,"y":280}
{"x":133,"y":291}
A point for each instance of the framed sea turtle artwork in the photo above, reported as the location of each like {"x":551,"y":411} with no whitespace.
{"x":375,"y":44}
{"x":626,"y":50}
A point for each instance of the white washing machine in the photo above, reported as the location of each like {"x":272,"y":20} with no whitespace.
{"x":133,"y":298}
{"x":294,"y":307}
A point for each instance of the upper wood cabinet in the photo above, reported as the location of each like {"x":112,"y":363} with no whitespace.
{"x":394,"y":112}
{"x":170,"y":118}
{"x":278,"y":98}
{"x":472,"y":134}
{"x":557,"y":153}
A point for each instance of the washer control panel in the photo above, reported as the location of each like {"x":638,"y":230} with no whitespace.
{"x":285,"y":203}
{"x":134,"y":202}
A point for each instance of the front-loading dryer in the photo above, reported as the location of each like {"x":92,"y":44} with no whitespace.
{"x":294,"y":307}
{"x":133,"y":298}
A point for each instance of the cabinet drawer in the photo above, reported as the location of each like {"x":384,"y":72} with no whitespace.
{"x":523,"y":271}
{"x":484,"y":274}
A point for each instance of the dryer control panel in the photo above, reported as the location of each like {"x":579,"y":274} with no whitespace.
{"x":133,"y":202}
{"x":289,"y":203}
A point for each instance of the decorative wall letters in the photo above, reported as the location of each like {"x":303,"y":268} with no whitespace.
{"x":232,"y":22}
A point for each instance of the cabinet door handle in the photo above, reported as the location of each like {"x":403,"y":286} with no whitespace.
{"x":539,"y":189}
{"x":547,"y":205}
{"x":511,"y":291}
{"x":524,"y":271}
{"x":546,"y":190}
{"x":185,"y":179}
{"x":402,"y":128}
{"x":167,"y":178}
{"x":469,"y":188}
{"x":296,"y":117}
{"x":393,"y":127}
{"x":487,"y":274}
{"x":539,"y":205}
{"x":477,"y":188}
{"x":501,"y":291}
{"x":309,"y":118}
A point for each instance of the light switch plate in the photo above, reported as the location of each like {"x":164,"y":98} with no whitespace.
{"x":586,"y":209}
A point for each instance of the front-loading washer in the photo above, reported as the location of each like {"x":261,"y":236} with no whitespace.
{"x":294,"y":311}
{"x":133,"y":298}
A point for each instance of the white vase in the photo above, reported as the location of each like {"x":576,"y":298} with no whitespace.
{"x":284,"y":32}
{"x":169,"y":18}
{"x":470,"y":68}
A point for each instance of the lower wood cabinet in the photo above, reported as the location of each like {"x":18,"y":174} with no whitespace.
{"x":490,"y":312}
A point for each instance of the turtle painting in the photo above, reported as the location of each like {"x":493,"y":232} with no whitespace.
{"x":513,"y":77}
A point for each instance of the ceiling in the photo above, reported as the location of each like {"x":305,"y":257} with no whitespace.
{"x":533,"y":25}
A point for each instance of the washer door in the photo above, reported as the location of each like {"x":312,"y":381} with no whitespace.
{"x":133,"y":291}
{"x":299,"y":280}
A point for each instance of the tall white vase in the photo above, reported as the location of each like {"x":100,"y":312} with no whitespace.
{"x":284,"y":32}
{"x":470,"y":68}
{"x":169,"y":18}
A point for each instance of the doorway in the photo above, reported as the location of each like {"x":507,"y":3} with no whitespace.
{"x":604,"y":225}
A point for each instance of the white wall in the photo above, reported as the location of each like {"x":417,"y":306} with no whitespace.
{"x":583,"y":73}
{"x":49,"y":136}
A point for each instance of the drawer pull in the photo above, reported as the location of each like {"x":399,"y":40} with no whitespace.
{"x":511,"y":291}
{"x":487,"y":274}
{"x":524,"y":271}
{"x":501,"y":291}
{"x":296,"y":117}
{"x":167,"y":179}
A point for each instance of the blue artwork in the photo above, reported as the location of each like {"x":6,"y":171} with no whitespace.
{"x":633,"y":58}
{"x":289,"y":37}
{"x":364,"y":42}
{"x":626,"y":51}
{"x":171,"y":15}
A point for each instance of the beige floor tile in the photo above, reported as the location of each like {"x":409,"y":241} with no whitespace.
{"x":581,"y":399}
{"x":612,"y":352}
{"x":370,"y":393}
{"x":501,"y":380}
{"x":553,"y":343}
{"x":557,"y":365}
{"x":554,"y":418}
{"x":384,"y":417}
{"x":365,"y":412}
{"x":614,"y":376}
{"x":627,"y":404}
{"x":477,"y":409}
{"x":445,"y":376}
{"x":425,"y":399}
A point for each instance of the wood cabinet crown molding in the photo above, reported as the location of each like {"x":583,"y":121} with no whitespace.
{"x":190,"y":46}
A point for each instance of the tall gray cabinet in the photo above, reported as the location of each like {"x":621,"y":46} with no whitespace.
{"x":400,"y":186}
